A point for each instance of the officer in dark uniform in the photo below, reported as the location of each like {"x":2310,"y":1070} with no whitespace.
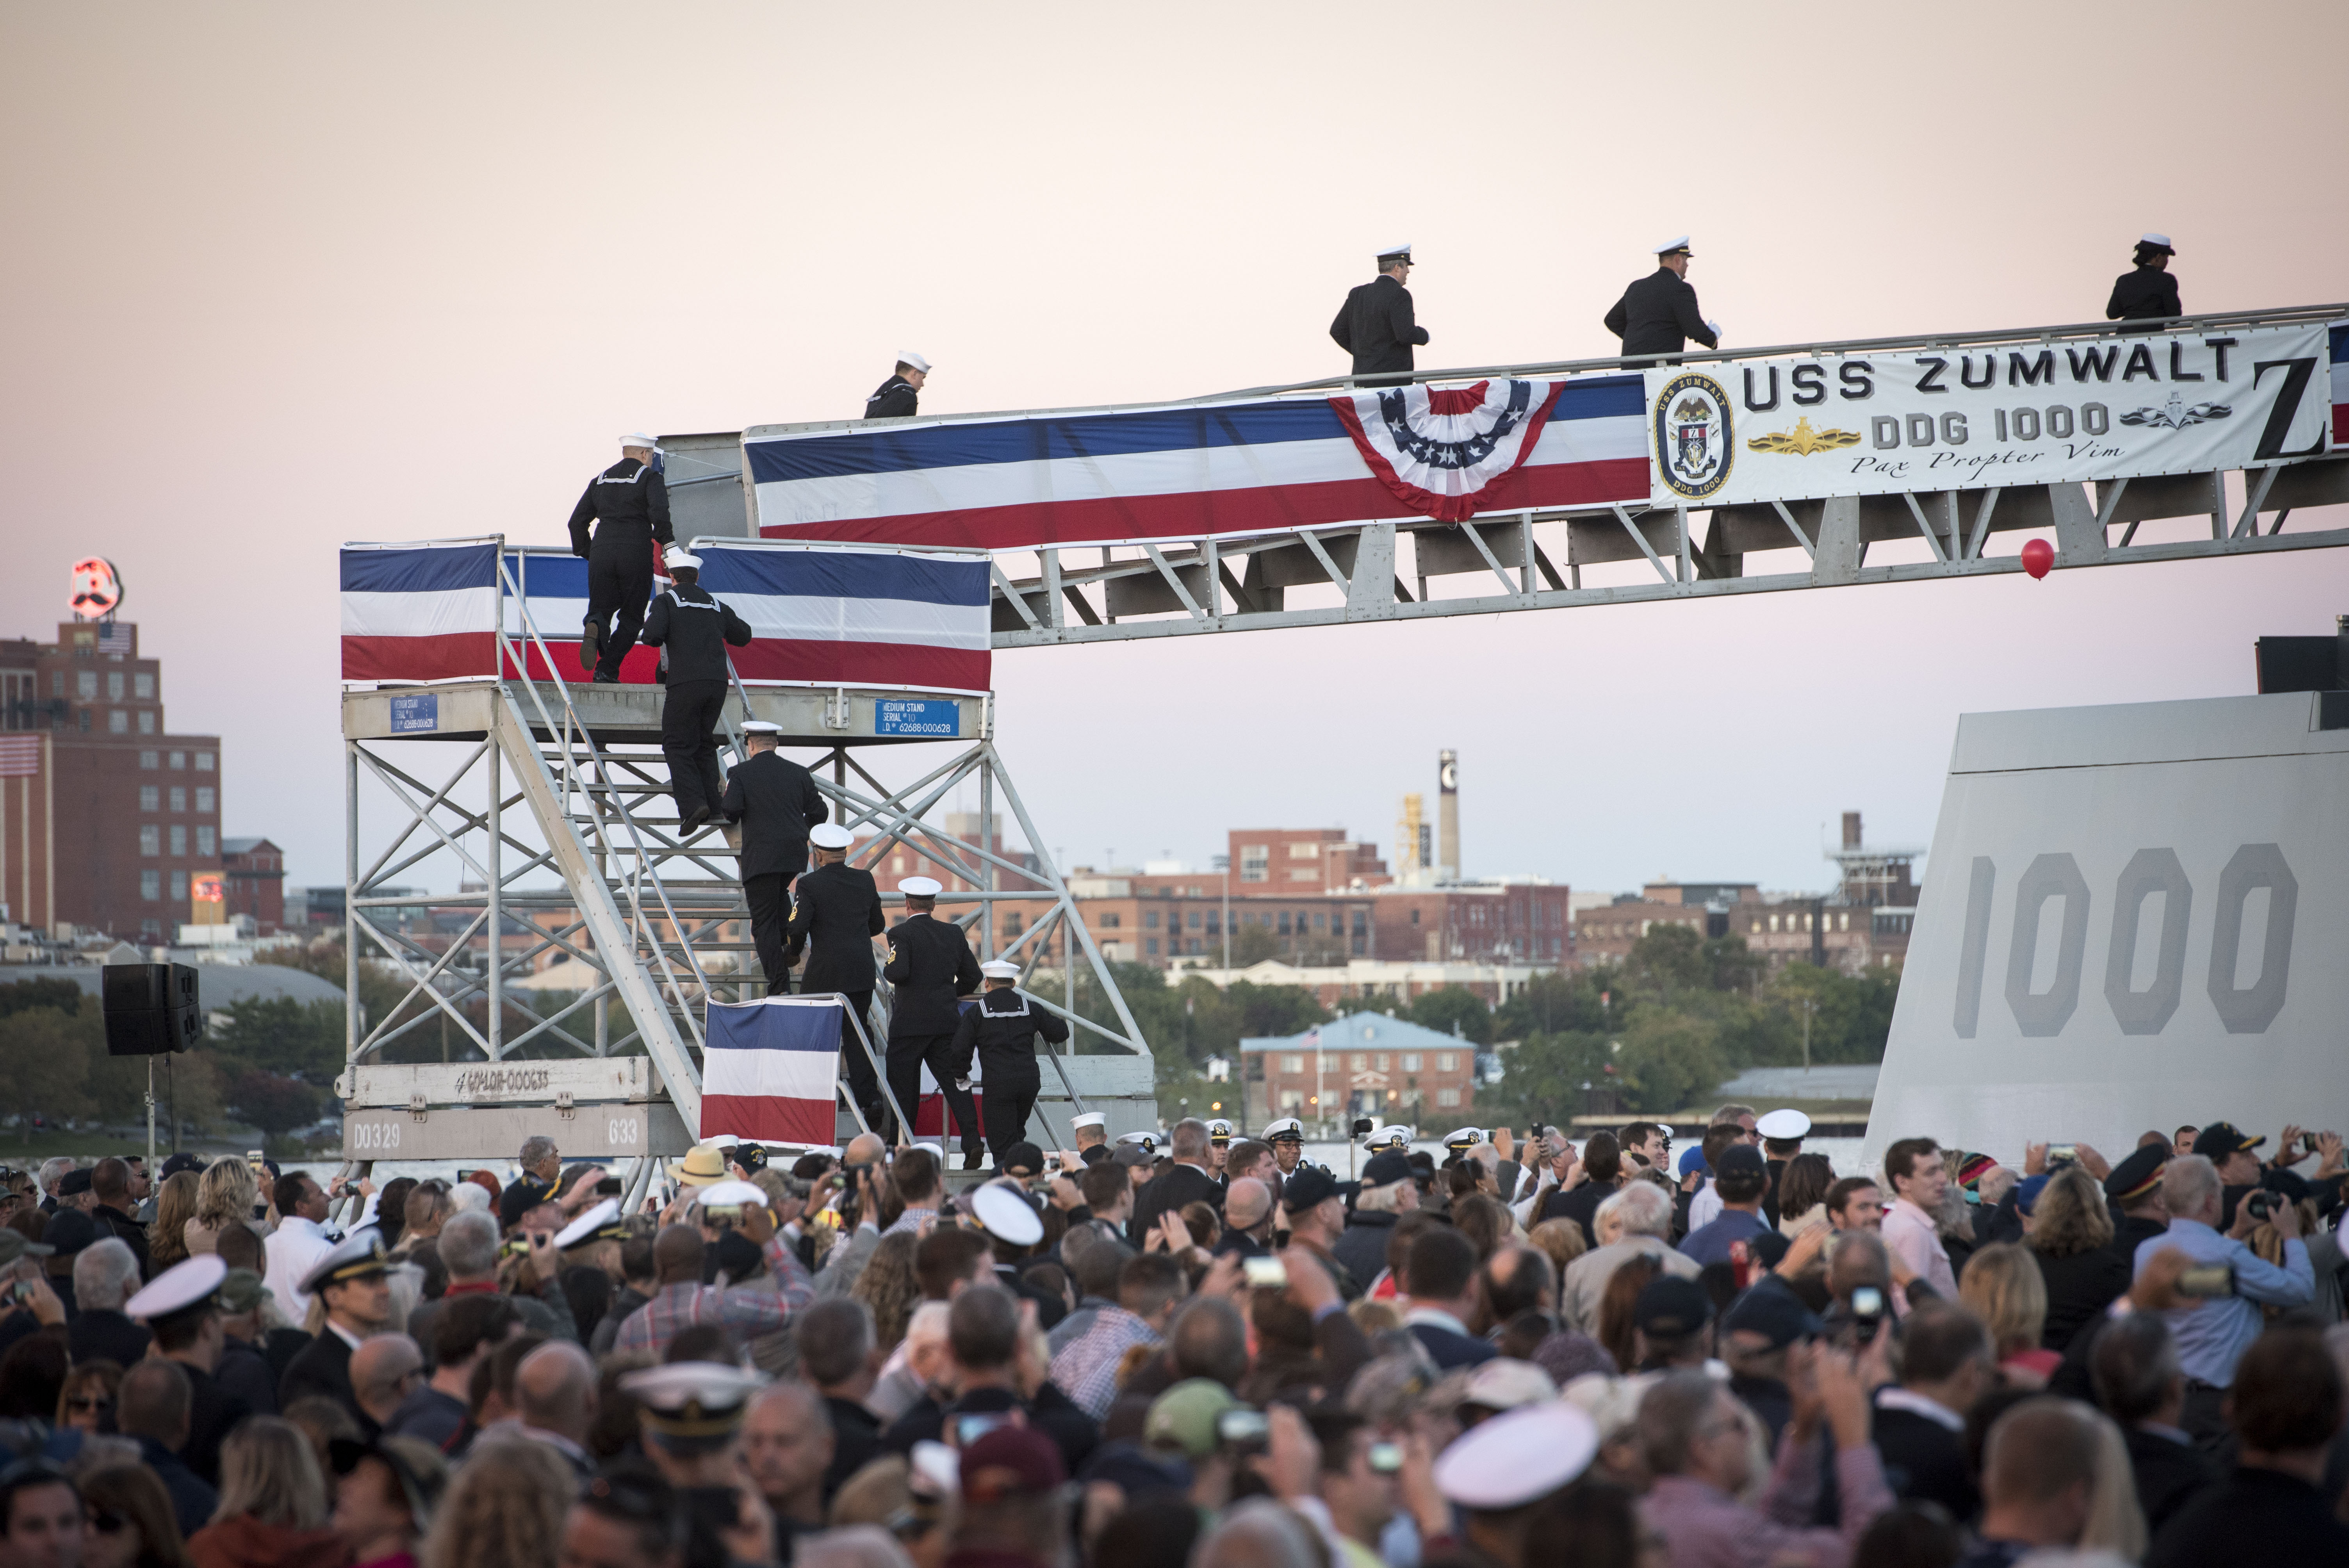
{"x":1658,"y":314}
{"x":2149,"y":293}
{"x":897,"y":396}
{"x":930,"y":964}
{"x":1002,"y":1031}
{"x":630,"y":500}
{"x":776,"y":801}
{"x":835,"y":915}
{"x":1375,"y":324}
{"x":694,"y":629}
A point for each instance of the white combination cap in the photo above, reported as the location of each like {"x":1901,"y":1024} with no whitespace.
{"x":1286,"y":1127}
{"x":1396,"y":252}
{"x":907,"y":357}
{"x":921,"y":887}
{"x":2151,"y":238}
{"x":1390,"y":1136}
{"x":638,"y":438}
{"x":761,"y":726}
{"x":679,"y":556}
{"x":1463,"y":1137}
{"x":692,"y":1398}
{"x":1677,"y":243}
{"x":830,"y":836}
{"x":1784,"y":1125}
{"x":1147,"y":1141}
{"x":1517,"y":1456}
{"x":588,"y":1227}
{"x":1219,"y":1129}
{"x":1000,"y":969}
{"x":183,"y":1285}
{"x":1006,"y":1214}
{"x":362,"y":1255}
{"x":724,"y":1192}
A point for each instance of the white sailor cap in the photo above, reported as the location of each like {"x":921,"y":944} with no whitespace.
{"x":599,"y":1222}
{"x":362,"y":1255}
{"x":830,"y":836}
{"x":1677,"y":243}
{"x":720,"y":1195}
{"x":1091,"y":1119}
{"x":1517,"y":1456}
{"x":906,"y":357}
{"x":1000,"y":969}
{"x":1390,"y":1136}
{"x":1286,"y":1127}
{"x":692,"y":1398}
{"x":1220,"y":1130}
{"x":1463,"y":1137}
{"x":638,"y":438}
{"x":921,"y":887}
{"x":678,"y":555}
{"x":1396,"y":252}
{"x":1007,"y":1214}
{"x":1784,"y":1125}
{"x":2151,"y":238}
{"x":761,"y":726}
{"x":932,"y":1150}
{"x":183,"y":1285}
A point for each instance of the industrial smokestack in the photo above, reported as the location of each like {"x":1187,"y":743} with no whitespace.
{"x":1447,"y":784}
{"x":1851,"y":830}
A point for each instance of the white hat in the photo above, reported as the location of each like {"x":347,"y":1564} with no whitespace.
{"x":720,"y":1194}
{"x":1390,"y":1136}
{"x":908,"y":358}
{"x":178,"y":1287}
{"x":638,"y":438}
{"x":1219,"y":1129}
{"x":1677,"y":243}
{"x":1517,"y":1456}
{"x":597,"y":1218}
{"x":2151,"y":238}
{"x":1504,"y":1383}
{"x":931,"y":1149}
{"x":830,"y":836}
{"x":1784,"y":1125}
{"x":1145,"y":1140}
{"x":1286,"y":1127}
{"x":1007,"y":1214}
{"x":1000,"y":969}
{"x":761,"y":726}
{"x":921,"y":887}
{"x":692,"y":1398}
{"x":1396,"y":252}
{"x":362,"y":1255}
{"x":1463,"y":1137}
{"x":678,"y":555}
{"x":1091,"y":1119}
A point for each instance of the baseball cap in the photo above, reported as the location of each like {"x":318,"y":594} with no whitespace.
{"x":1305,"y":1187}
{"x":1184,"y":1416}
{"x":2027,"y":1190}
{"x":1741,"y":1160}
{"x":1774,"y":1312}
{"x":1011,"y":1461}
{"x":2221,"y":1138}
{"x":1383,"y":1170}
{"x":1023,"y":1157}
{"x":1669,"y":1306}
{"x":1693,"y":1158}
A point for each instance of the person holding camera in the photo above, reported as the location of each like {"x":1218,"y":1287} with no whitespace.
{"x":2211,"y":1338}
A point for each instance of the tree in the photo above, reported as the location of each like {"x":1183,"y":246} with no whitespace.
{"x":1667,"y":1058}
{"x":280,"y":1034}
{"x":273,"y":1103}
{"x":1544,"y":1076}
{"x":45,"y":1064}
{"x":1253,"y":943}
{"x":1552,"y":1002}
{"x":1449,"y":1009}
{"x":62,"y":995}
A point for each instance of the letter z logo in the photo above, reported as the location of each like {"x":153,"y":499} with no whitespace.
{"x":2296,"y":375}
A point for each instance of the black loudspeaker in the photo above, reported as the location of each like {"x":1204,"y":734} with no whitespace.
{"x":151,"y":1009}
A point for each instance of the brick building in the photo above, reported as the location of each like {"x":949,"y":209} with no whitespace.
{"x":1279,"y":862}
{"x":1784,"y":929}
{"x":254,"y":871}
{"x":116,"y":813}
{"x":1367,"y":1064}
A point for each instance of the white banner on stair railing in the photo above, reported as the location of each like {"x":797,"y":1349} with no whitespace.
{"x":1975,"y":416}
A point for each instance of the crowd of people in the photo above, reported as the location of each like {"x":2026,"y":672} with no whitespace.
{"x":1188,"y":1348}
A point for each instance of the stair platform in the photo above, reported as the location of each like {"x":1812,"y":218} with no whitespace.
{"x":630,"y":715}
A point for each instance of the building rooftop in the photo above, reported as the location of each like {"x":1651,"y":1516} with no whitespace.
{"x":1362,"y":1031}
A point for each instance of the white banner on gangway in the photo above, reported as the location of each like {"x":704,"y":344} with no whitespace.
{"x":1971,"y":417}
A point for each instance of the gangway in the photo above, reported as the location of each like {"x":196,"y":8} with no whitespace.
{"x":592,"y":870}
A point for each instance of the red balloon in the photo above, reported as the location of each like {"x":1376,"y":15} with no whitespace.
{"x":2038,"y":555}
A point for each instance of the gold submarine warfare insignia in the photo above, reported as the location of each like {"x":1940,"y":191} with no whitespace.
{"x":1802,"y":441}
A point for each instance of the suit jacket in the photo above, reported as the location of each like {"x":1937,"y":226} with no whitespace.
{"x":1168,"y":1191}
{"x":835,"y":915}
{"x":1449,"y":1350}
{"x":931,"y":966}
{"x":856,"y":1442}
{"x":193,"y":1501}
{"x":1658,"y":314}
{"x":324,"y":1368}
{"x":213,"y":1412}
{"x":1923,"y":1459}
{"x":1376,"y":326}
{"x":129,"y":1232}
{"x":2169,"y":1473}
{"x":101,"y":1335}
{"x":776,"y":801}
{"x":2143,"y":294}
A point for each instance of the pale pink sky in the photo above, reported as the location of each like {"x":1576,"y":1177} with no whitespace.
{"x":278,"y":277}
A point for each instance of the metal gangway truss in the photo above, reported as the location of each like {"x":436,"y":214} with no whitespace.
{"x":560,"y":819}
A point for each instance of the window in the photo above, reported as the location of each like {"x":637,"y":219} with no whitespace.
{"x":148,"y":760}
{"x":1113,"y":920}
{"x":1010,"y":918}
{"x":1410,"y":1061}
{"x":1254,"y":862}
{"x":1321,"y":921}
{"x":117,"y":722}
{"x":142,"y":686}
{"x":1149,"y":922}
{"x":1361,"y":922}
{"x":1149,"y":945}
{"x":151,"y":839}
{"x":150,"y":798}
{"x":178,"y":761}
{"x":1284,"y":923}
{"x":1304,"y":873}
{"x":1359,"y":1061}
{"x":1414,"y":917}
{"x":1773,"y":923}
{"x":1194,"y":922}
{"x":179,"y":887}
{"x":1191,"y":944}
{"x":1842,"y":923}
{"x":203,"y":761}
{"x":84,"y":719}
{"x":206,"y":842}
{"x":178,"y":840}
{"x":1447,"y":1062}
{"x":151,"y":885}
{"x":57,"y":682}
{"x":1382,"y":1061}
{"x":1304,"y":851}
{"x":897,"y":864}
{"x":86,"y":685}
{"x":1449,"y":1098}
{"x":1292,"y":1100}
{"x":1292,"y":1064}
{"x":114,"y":686}
{"x":145,"y":721}
{"x":204,"y":803}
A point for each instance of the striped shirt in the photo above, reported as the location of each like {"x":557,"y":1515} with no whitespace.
{"x":1087,"y":1366}
{"x":913,"y":1219}
{"x":677,"y":1307}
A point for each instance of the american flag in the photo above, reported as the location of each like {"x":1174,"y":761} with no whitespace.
{"x":115,"y":638}
{"x":20,"y":756}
